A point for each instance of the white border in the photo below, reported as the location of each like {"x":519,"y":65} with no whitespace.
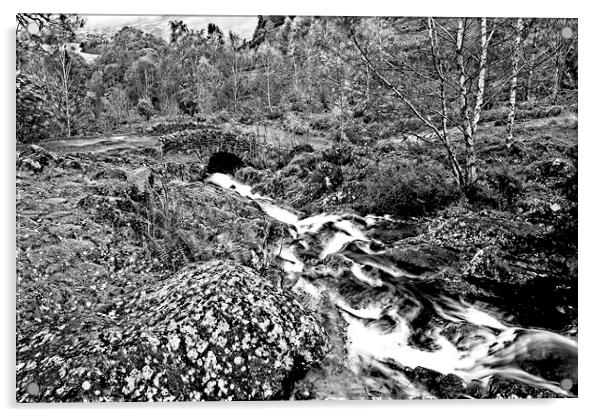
{"x":590,"y":140}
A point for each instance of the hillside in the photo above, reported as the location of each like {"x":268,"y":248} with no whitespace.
{"x":159,"y":25}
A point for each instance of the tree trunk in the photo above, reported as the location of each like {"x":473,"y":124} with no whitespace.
{"x":470,"y":123}
{"x":469,"y":174}
{"x":66,"y":70}
{"x":459,"y":178}
{"x":295,"y":76}
{"x":462,"y":77}
{"x":559,"y":67}
{"x":267,"y":62}
{"x":455,"y":166}
{"x":235,"y":87}
{"x":341,"y":108}
{"x":513,"y":82}
{"x":529,"y":88}
{"x":471,"y":159}
{"x":556,"y":87}
{"x":146,"y":84}
{"x":485,"y":39}
{"x":67,"y":114}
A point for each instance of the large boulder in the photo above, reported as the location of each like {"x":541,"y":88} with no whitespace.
{"x":141,"y":179}
{"x":213,"y":331}
{"x":34,"y":158}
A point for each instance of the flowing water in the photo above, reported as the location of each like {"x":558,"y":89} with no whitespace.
{"x":384,"y":307}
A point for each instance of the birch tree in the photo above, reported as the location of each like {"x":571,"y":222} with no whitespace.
{"x":531,"y":63}
{"x":439,"y":69}
{"x":515,"y":66}
{"x":69,"y":82}
{"x":267,"y":56}
{"x":235,"y":69}
{"x":559,"y":63}
{"x":65,"y":76}
{"x":45,"y":55}
{"x":441,"y":98}
{"x":566,"y":40}
{"x":471,"y":119}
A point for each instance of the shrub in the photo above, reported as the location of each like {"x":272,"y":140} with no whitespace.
{"x":251,"y":176}
{"x":554,"y":111}
{"x":405,"y":188}
{"x":321,"y":121}
{"x":35,"y":113}
{"x":145,"y":108}
{"x":293,"y":123}
{"x":269,"y":157}
{"x":338,"y":155}
{"x":552,"y":172}
{"x":499,"y":187}
{"x":493,"y":115}
{"x":276,"y":114}
{"x":410,"y":124}
{"x":298,"y":149}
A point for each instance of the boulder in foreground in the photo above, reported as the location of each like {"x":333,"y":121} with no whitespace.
{"x":213,"y":331}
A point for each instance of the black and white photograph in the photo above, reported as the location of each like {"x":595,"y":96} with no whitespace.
{"x":296,"y":207}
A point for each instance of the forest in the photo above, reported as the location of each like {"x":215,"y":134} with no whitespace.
{"x":411,"y":180}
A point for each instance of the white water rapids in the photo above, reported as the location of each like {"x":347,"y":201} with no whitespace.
{"x":382,"y":315}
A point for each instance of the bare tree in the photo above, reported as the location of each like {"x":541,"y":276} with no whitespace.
{"x":564,"y":71}
{"x":463,"y":89}
{"x":235,"y":70}
{"x":512,"y":100}
{"x":66,"y":81}
{"x":439,"y":69}
{"x":472,"y":116}
{"x":267,"y":55}
{"x":119,"y":106}
{"x":531,"y":62}
{"x":559,"y":63}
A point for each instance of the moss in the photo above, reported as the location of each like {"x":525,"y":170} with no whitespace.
{"x":214,"y":331}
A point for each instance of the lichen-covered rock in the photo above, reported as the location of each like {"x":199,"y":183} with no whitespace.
{"x":34,"y":158}
{"x":301,"y":164}
{"x":213,"y":331}
{"x":251,"y":176}
{"x":142,"y":179}
{"x":183,"y":171}
{"x":500,"y":387}
{"x":111,"y":174}
{"x":304,"y":148}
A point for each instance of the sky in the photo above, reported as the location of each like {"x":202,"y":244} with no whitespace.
{"x":241,"y":25}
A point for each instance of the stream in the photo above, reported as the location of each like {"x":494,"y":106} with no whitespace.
{"x":384,"y":307}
